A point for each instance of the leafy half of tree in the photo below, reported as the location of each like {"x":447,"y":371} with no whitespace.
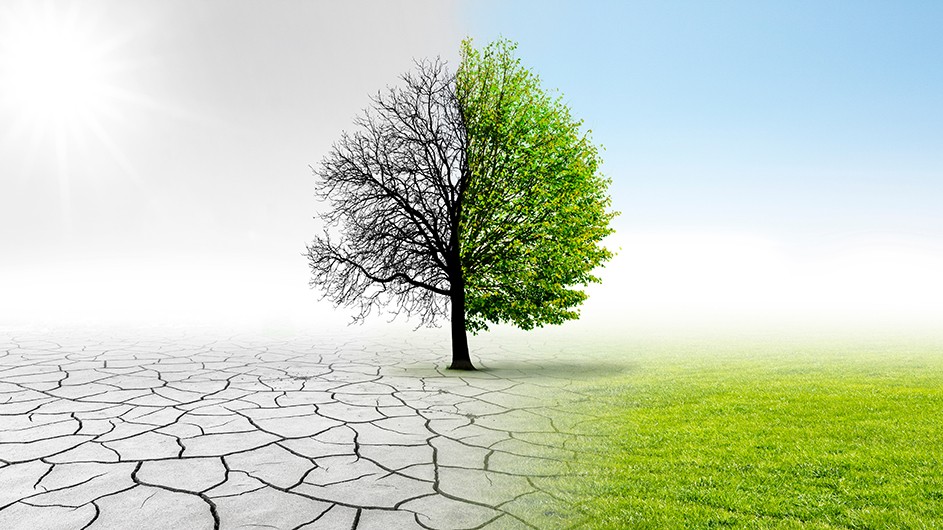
{"x":534,"y":211}
{"x":474,"y":195}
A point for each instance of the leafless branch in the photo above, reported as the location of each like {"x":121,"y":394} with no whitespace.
{"x":394,"y":188}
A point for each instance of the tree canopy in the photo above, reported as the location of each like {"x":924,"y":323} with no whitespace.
{"x":475,"y":195}
{"x":534,"y":212}
{"x":391,"y":186}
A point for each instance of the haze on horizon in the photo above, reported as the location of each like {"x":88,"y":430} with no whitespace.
{"x":773,"y":163}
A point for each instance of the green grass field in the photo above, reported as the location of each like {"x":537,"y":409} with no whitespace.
{"x":762,"y":436}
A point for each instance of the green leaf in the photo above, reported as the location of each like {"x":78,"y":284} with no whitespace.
{"x":535,"y":209}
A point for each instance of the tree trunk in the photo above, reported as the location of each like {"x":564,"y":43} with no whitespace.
{"x":460,"y":358}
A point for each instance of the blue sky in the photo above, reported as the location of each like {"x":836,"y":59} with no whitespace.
{"x":770,"y":160}
{"x":800,"y":119}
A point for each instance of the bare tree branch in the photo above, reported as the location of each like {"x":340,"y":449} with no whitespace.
{"x":393,"y":186}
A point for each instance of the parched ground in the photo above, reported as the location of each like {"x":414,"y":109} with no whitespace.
{"x":170,"y":430}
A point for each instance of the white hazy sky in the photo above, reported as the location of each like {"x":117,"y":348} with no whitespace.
{"x":773,"y":162}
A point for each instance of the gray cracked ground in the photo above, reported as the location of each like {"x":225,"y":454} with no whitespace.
{"x":165,"y":432}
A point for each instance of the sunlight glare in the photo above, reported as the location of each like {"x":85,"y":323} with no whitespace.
{"x":54,"y":72}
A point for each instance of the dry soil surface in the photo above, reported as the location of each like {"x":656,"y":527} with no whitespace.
{"x":165,"y":430}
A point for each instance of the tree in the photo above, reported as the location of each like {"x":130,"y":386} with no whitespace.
{"x":473,"y":195}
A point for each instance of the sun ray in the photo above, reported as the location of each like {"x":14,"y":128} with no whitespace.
{"x":115,"y":152}
{"x":62,"y":168}
{"x":61,"y":86}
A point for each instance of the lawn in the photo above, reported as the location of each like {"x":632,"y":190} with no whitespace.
{"x":762,"y":435}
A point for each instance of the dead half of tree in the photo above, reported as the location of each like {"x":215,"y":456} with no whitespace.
{"x":395,"y":190}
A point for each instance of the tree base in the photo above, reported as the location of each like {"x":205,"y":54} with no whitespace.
{"x":462,"y":365}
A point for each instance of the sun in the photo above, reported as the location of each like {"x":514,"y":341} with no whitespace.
{"x":62,"y":71}
{"x":55,"y":68}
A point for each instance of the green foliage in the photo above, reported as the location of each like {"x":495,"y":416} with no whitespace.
{"x":819,"y":438}
{"x":533,"y":212}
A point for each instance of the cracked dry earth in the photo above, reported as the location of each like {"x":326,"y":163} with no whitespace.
{"x":294,"y":433}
